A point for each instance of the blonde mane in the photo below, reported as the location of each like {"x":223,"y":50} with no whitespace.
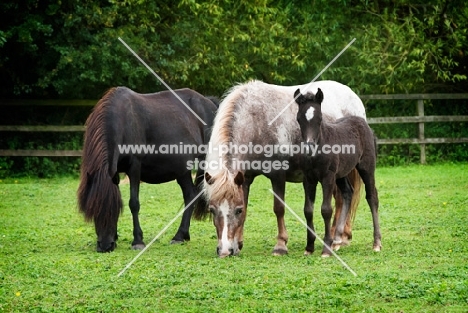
{"x":221,"y":133}
{"x":222,"y":184}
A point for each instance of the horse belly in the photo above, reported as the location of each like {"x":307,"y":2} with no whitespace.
{"x":347,"y":165}
{"x":295,"y":176}
{"x":163,"y":169}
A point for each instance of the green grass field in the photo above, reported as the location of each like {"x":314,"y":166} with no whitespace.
{"x":48,"y":261}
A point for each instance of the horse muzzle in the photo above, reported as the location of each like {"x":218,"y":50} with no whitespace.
{"x":230,"y":251}
{"x":105,"y":246}
{"x":311,"y":147}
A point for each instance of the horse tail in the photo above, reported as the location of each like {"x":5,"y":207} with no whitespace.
{"x":375,"y":146}
{"x":356,"y":182}
{"x":200,"y":211}
{"x":99,"y":197}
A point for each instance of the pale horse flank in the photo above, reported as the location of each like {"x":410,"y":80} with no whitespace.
{"x":246,"y":118}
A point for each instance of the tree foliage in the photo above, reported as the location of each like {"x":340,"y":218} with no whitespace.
{"x":70,"y":49}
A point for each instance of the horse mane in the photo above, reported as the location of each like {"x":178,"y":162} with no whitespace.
{"x":95,"y":166}
{"x":222,"y":126}
{"x":95,"y":135}
{"x":221,"y":184}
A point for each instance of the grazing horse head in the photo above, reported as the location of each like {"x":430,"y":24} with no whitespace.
{"x":228,"y":211}
{"x":309,"y":115}
{"x":106,"y":235}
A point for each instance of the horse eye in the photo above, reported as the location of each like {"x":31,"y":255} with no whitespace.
{"x":211,"y":209}
{"x":238,"y":211}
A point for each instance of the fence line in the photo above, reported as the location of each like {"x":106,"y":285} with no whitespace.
{"x":42,"y":128}
{"x":420,"y":119}
{"x":41,"y":153}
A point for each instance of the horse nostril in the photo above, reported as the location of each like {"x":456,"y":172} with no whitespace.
{"x":231,"y":251}
{"x":217,"y":250}
{"x":108,"y":247}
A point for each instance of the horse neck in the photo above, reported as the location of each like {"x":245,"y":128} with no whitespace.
{"x":326,"y":131}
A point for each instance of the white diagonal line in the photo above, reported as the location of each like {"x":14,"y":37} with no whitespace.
{"x":310,"y":229}
{"x":318,"y":75}
{"x":158,"y":235}
{"x":161,"y":80}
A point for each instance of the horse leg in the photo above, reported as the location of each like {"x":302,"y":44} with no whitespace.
{"x":328,"y":184}
{"x":346,"y":191}
{"x":279,"y":185}
{"x":189,"y":192}
{"x":372,"y":198}
{"x":134,"y":203}
{"x":310,"y":189}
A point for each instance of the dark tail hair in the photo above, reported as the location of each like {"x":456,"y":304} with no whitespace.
{"x":201,"y":207}
{"x":375,"y":146}
{"x":98,"y":194}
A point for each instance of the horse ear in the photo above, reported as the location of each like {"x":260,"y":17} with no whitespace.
{"x":239,"y":179}
{"x":319,"y":96}
{"x":299,"y":97}
{"x":208,"y":178}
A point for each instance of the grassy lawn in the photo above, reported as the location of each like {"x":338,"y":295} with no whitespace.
{"x":48,"y":261}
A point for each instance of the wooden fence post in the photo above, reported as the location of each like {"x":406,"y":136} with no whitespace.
{"x":421,"y":131}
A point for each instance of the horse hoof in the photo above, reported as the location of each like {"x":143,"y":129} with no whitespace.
{"x":279,"y":252}
{"x":139,"y":246}
{"x":377,"y":248}
{"x":176,"y":242}
{"x":307,"y":253}
{"x":326,"y":255}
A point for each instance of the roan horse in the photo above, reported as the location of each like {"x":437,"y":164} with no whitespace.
{"x":124,"y":117}
{"x":329,"y":169}
{"x":245,"y":119}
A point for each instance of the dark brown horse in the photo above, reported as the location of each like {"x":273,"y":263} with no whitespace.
{"x":337,"y":148}
{"x":123,"y":135}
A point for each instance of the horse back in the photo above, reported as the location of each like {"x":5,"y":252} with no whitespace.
{"x":159,"y":117}
{"x":154,"y":120}
{"x":354,"y":130}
